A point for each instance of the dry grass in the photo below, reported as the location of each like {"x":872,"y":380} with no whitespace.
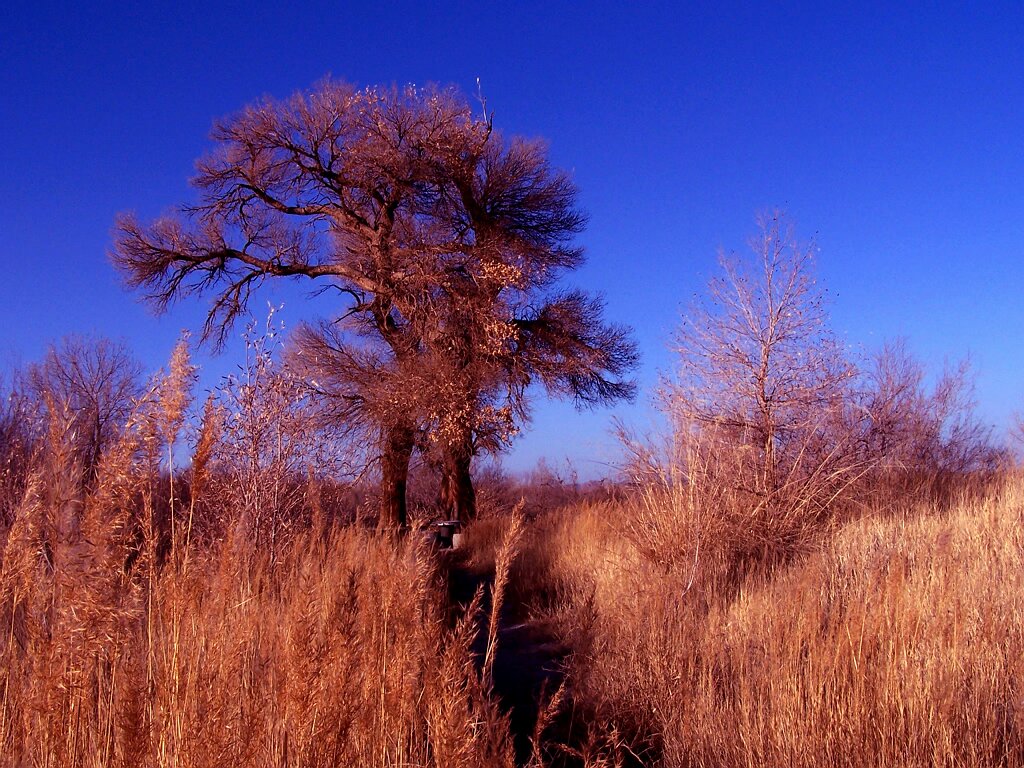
{"x":893,"y":640}
{"x":334,"y":652}
{"x":898,"y":641}
{"x":335,"y":655}
{"x":703,"y":634}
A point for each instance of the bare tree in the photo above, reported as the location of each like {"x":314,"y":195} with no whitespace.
{"x":438,"y":234}
{"x":915,"y":436}
{"x":763,"y":388}
{"x":266,"y":450}
{"x":96,"y":380}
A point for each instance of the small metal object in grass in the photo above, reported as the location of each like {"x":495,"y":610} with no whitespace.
{"x":448,"y":533}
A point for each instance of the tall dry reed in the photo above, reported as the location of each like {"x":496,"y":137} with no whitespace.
{"x":117,"y":649}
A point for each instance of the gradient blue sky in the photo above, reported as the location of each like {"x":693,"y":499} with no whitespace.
{"x":893,"y":136}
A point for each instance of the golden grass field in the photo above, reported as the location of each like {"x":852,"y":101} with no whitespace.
{"x":894,"y":639}
{"x":157,"y":617}
{"x":897,"y":641}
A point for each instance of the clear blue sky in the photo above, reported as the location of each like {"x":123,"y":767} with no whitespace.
{"x":896,"y":136}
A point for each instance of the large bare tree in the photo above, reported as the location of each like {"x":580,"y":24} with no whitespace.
{"x":442,"y":239}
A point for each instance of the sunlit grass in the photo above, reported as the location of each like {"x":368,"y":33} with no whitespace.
{"x":897,"y":641}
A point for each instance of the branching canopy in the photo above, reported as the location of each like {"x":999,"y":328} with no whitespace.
{"x":445,"y":239}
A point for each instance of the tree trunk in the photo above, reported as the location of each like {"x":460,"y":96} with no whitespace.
{"x":456,"y":494}
{"x":395,"y":456}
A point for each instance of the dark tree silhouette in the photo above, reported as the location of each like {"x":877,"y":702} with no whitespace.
{"x":442,"y":238}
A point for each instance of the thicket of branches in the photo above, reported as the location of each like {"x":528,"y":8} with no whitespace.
{"x":91,"y":382}
{"x":777,"y":430}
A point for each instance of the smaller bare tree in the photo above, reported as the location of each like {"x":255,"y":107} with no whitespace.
{"x":762,"y":390}
{"x":96,"y":380}
{"x":917,"y":438}
{"x":272,"y":448}
{"x":19,"y":436}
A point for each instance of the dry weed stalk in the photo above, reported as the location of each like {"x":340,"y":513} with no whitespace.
{"x":503,"y":563}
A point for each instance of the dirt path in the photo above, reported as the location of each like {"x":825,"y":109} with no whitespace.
{"x":529,"y":664}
